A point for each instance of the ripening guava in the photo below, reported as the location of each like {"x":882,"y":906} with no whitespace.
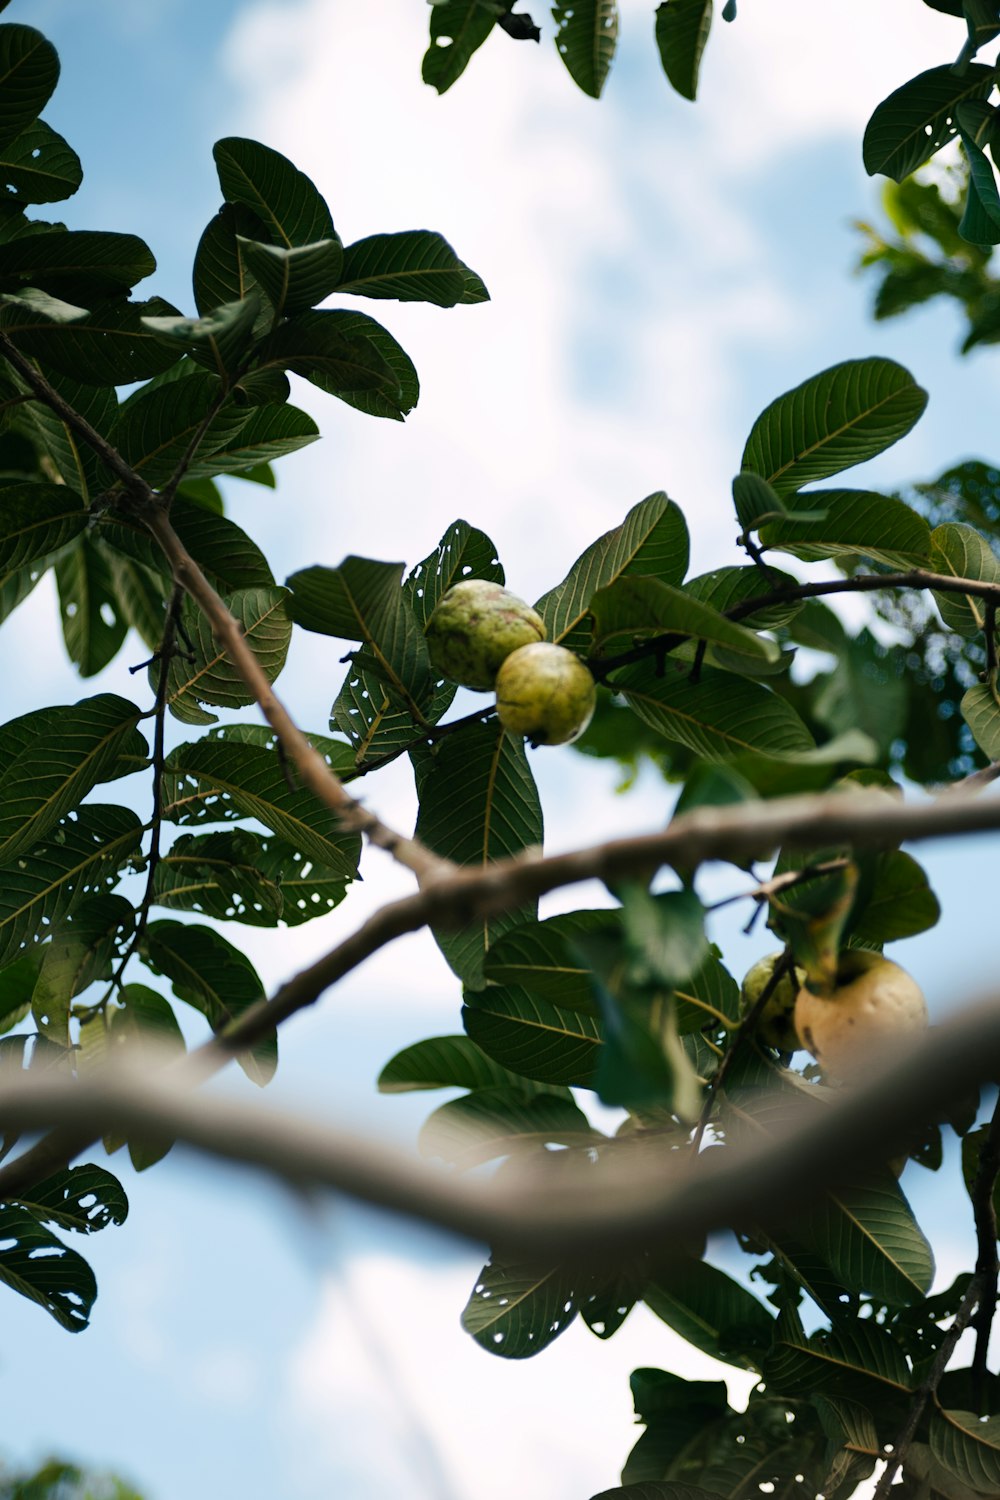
{"x":545,"y":693}
{"x":474,"y":627}
{"x":775,"y":1024}
{"x":875,"y":1010}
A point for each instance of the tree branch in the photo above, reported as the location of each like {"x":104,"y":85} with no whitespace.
{"x":635,"y":1195}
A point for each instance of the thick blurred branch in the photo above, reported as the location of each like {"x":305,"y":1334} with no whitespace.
{"x":559,"y":1204}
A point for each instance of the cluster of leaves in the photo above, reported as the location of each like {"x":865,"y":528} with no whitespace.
{"x":209,"y":397}
{"x":919,"y":255}
{"x":57,"y":1479}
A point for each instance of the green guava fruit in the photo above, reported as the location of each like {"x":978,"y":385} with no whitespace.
{"x":775,"y":1024}
{"x":474,"y":627}
{"x":875,"y":1010}
{"x":545,"y":693}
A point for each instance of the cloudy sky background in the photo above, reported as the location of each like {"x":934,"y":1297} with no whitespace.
{"x":659,"y":272}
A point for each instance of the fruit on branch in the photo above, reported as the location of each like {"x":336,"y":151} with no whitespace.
{"x":474,"y":627}
{"x":874,"y":1009}
{"x":545,"y":693}
{"x":775,"y":1024}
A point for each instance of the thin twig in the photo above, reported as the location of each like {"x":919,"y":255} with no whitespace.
{"x":784,"y":882}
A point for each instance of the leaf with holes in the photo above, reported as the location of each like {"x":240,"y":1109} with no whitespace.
{"x":919,"y":118}
{"x":586,"y":36}
{"x":40,"y":1267}
{"x":682,"y":28}
{"x":517,"y":1310}
{"x":463,"y":552}
{"x":80,"y":857}
{"x":93,"y":628}
{"x":478,"y":803}
{"x":211,"y":677}
{"x":85,"y":1198}
{"x":719,"y":717}
{"x":533,"y":1038}
{"x":652,"y":540}
{"x":220,"y":779}
{"x":53,"y":757}
{"x":458,"y":28}
{"x":836,"y":419}
{"x":218,"y":875}
{"x":39,"y":165}
{"x":284,"y":199}
{"x":208,"y":973}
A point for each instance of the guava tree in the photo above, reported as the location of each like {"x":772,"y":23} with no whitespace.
{"x":120,"y":414}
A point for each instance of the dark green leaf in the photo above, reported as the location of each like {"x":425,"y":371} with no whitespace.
{"x":719,"y":717}
{"x":77,"y":466}
{"x":901,"y":903}
{"x":857,"y":1357}
{"x":86,"y":1199}
{"x":962,"y":552}
{"x":732,"y":589}
{"x":841,"y":417}
{"x":283,"y":198}
{"x":208,"y":973}
{"x":444,"y":1062}
{"x":532,"y":1037}
{"x":110,"y":346}
{"x":919,"y":118}
{"x":458,"y":28}
{"x":39,"y":1266}
{"x":377,"y":401}
{"x":682,"y":28}
{"x":80,"y":857}
{"x":219,"y":337}
{"x":659,"y":1491}
{"x":93,"y":628}
{"x":39,"y":165}
{"x":82,"y":948}
{"x":79,"y":265}
{"x":318,"y":346}
{"x":501,"y":1122}
{"x":295,"y":278}
{"x":156,"y":427}
{"x":478,"y":803}
{"x":217,"y":875}
{"x":29,"y":70}
{"x":145,"y":1024}
{"x":969,"y":1447}
{"x":634,"y":607}
{"x":652,"y":540}
{"x":586,"y":36}
{"x":35,"y":521}
{"x":539,"y":957}
{"x":517,"y":1310}
{"x":416,"y":265}
{"x":220,"y":272}
{"x":222,"y":778}
{"x":711,"y":1311}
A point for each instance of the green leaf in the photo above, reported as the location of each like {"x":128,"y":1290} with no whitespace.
{"x":376,"y":401}
{"x":211,"y":677}
{"x":445,"y":1062}
{"x":220,"y":337}
{"x":217,"y":875}
{"x":85,"y":1198}
{"x":634,"y":607}
{"x":919,"y":118}
{"x":363,"y":600}
{"x":517,"y":1310}
{"x":719,"y":717}
{"x":755,"y":502}
{"x":377,"y":721}
{"x":268,"y":432}
{"x":294,"y":279}
{"x":36,"y":520}
{"x":80,"y":857}
{"x":733,"y":588}
{"x":283,"y":198}
{"x":144,"y":1023}
{"x":962,"y":552}
{"x":318,"y":346}
{"x":710,"y":999}
{"x":532,"y":1037}
{"x":652,"y":540}
{"x":586,"y":36}
{"x":478,"y":803}
{"x":221,"y":273}
{"x":53,"y":757}
{"x":79,"y":265}
{"x":856,"y":522}
{"x":82,"y":948}
{"x":156,"y":427}
{"x":501,"y":1122}
{"x":39,"y":166}
{"x":76,"y":465}
{"x":463,"y":552}
{"x":857,"y":1357}
{"x":682,"y":28}
{"x":109,"y":346}
{"x":968,"y":1446}
{"x":836,"y":419}
{"x":93,"y":628}
{"x":711,"y":1311}
{"x":29,"y":70}
{"x":901,"y":903}
{"x":17,"y":984}
{"x":221,"y":778}
{"x":416,"y":265}
{"x":981,"y":711}
{"x":981,"y":220}
{"x":868,"y":1237}
{"x":208,"y":973}
{"x":39,"y":1266}
{"x":539,"y":957}
{"x":458,"y":28}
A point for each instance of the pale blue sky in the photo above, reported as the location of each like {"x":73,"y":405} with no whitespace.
{"x":660,"y":272}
